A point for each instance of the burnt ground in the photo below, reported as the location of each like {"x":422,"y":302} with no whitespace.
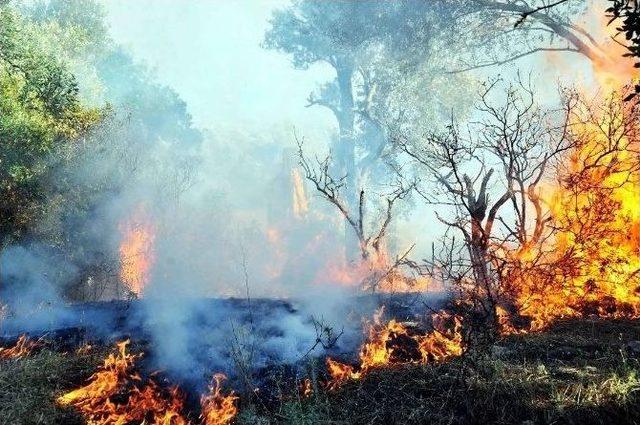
{"x":577,"y":372}
{"x":210,"y":335}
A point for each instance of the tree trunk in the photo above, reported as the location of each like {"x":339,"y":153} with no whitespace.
{"x":346,"y":153}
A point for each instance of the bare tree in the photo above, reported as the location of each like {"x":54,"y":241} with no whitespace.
{"x":370,"y":238}
{"x":489,"y":176}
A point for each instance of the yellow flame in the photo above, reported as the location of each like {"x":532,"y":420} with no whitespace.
{"x":137,"y":250}
{"x":443,"y":342}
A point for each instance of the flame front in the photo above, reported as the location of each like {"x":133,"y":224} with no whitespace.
{"x":591,"y":264}
{"x":442,"y":343}
{"x":116,"y":394}
{"x":23,"y":347}
{"x":137,"y":250}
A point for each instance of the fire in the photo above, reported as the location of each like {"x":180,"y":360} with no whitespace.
{"x":300,"y":201}
{"x":374,"y":274}
{"x":441,"y":344}
{"x":591,"y":264}
{"x":116,"y":394}
{"x":306,"y":388}
{"x":616,"y":70}
{"x":23,"y":347}
{"x":136,"y":250}
{"x":379,"y":351}
{"x":218,"y":409}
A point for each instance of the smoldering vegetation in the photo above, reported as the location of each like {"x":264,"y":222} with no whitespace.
{"x":435,"y":210}
{"x":220,"y":206}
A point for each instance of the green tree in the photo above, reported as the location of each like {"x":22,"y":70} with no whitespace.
{"x":39,"y":110}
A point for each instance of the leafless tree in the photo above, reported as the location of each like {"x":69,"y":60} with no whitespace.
{"x":370,"y":238}
{"x":489,"y":176}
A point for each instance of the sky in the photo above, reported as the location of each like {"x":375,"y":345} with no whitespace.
{"x":210,"y":53}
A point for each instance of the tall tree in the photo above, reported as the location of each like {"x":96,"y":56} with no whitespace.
{"x":626,"y":16}
{"x":495,"y":32}
{"x":370,"y":46}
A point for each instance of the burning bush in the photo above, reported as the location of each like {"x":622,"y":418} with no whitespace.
{"x":590,"y":265}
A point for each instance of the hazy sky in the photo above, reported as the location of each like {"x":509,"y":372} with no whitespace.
{"x":209,"y":52}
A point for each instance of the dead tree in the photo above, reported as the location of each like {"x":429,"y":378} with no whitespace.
{"x":489,"y":176}
{"x":370,"y":240}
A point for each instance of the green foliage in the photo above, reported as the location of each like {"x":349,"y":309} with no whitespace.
{"x":39,"y":110}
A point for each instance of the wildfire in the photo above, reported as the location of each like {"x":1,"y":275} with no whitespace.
{"x":23,"y":347}
{"x":374,"y":274}
{"x":116,"y":394}
{"x":136,"y":250}
{"x":591,"y":264}
{"x":218,"y":409}
{"x":306,"y":388}
{"x":387,"y":342}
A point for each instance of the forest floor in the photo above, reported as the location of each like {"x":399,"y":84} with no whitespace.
{"x":578,"y":372}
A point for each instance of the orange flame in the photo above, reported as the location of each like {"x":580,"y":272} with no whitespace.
{"x":306,"y":388}
{"x":595,"y":207}
{"x":218,"y":409}
{"x":136,"y":250}
{"x":596,"y":251}
{"x":433,"y":347}
{"x":375,"y":274}
{"x":115,"y":394}
{"x":441,"y":344}
{"x":24,"y":346}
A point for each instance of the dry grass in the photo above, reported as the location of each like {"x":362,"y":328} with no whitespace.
{"x":576,"y":373}
{"x":30,"y":385}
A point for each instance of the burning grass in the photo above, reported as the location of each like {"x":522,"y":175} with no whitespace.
{"x":577,"y":372}
{"x":393,"y":343}
{"x":218,"y":408}
{"x":117,"y":394}
{"x":582,"y":371}
{"x":23,"y":347}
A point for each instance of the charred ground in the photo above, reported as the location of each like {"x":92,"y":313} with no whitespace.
{"x":584,"y":371}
